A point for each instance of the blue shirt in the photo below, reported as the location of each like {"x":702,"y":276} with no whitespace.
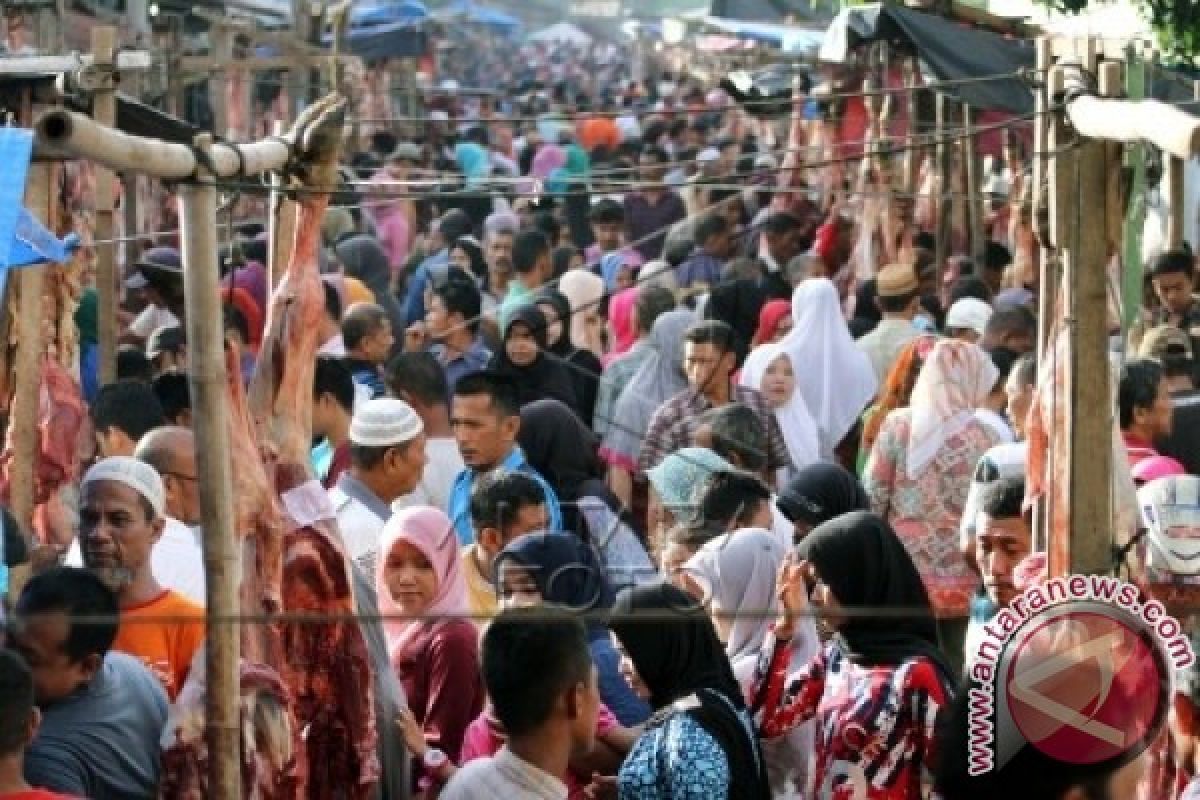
{"x":627,"y":707}
{"x":473,"y":359}
{"x":414,"y":299}
{"x":460,"y":496}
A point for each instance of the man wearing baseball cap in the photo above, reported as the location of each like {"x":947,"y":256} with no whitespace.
{"x":387,"y":459}
{"x":158,"y":274}
{"x":968,"y":319}
{"x":1172,"y":347}
{"x":898,"y":300}
{"x":121,"y":517}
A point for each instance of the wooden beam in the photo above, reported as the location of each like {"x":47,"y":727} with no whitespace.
{"x":206,"y":377}
{"x":104,"y":111}
{"x":126,"y":61}
{"x":222,"y":46}
{"x":945,"y":203}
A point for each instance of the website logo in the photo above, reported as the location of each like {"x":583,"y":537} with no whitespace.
{"x":1080,"y":668}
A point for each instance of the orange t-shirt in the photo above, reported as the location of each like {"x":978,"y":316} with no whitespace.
{"x":167,"y":641}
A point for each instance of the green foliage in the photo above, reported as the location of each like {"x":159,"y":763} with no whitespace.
{"x":1177,"y":23}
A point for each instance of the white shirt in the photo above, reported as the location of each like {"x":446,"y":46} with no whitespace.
{"x":335,"y":347}
{"x":151,"y":319}
{"x":443,"y":466}
{"x":177,"y":560}
{"x":503,"y":775}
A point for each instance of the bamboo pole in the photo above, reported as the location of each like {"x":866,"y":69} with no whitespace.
{"x":206,"y":378}
{"x":1046,"y":284}
{"x":69,"y":131}
{"x":104,"y":111}
{"x":222,"y":46}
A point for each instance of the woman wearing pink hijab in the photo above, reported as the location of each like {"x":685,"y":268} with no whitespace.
{"x":621,"y":325}
{"x":434,"y":647}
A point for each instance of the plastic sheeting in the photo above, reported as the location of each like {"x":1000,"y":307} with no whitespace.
{"x":950,"y":50}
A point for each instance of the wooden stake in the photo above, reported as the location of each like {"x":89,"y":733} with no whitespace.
{"x":973,"y":169}
{"x":945,"y":184}
{"x":206,"y":378}
{"x":30,"y":351}
{"x":104,"y":111}
{"x":222,"y":46}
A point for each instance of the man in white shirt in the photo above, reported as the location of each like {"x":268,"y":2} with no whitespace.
{"x":387,"y":457}
{"x":546,"y":721}
{"x":418,"y":379}
{"x":177,"y":560}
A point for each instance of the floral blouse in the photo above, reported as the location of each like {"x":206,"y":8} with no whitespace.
{"x":925,"y":512}
{"x":875,"y":731}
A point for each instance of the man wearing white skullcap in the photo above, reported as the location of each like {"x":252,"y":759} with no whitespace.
{"x":121,"y":517}
{"x":387,"y":457}
{"x":967,"y":319}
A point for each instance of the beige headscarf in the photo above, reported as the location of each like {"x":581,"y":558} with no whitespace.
{"x":956,"y":379}
{"x":585,"y":291}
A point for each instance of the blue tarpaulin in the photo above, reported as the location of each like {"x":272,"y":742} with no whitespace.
{"x":484,"y":15}
{"x":23,"y":239}
{"x":387,"y":12}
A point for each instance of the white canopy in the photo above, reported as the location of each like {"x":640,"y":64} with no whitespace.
{"x":563,"y":32}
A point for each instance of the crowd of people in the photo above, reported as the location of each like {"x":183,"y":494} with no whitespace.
{"x":659,"y":491}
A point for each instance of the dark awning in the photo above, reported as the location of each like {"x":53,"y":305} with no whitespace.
{"x":950,"y":50}
{"x":762,"y":10}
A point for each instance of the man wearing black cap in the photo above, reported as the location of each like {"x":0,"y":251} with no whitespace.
{"x":159,"y":274}
{"x":167,"y":349}
{"x":453,"y":225}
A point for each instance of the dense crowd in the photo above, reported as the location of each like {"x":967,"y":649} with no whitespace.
{"x":662,"y":484}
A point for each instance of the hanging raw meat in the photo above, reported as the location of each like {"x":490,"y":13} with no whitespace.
{"x":326,"y":665}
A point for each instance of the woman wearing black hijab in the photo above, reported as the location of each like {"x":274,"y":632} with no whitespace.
{"x":877,"y":685}
{"x":818,"y":493}
{"x":738,"y":304}
{"x":700,"y":741}
{"x":522,"y":356}
{"x":582,"y":365}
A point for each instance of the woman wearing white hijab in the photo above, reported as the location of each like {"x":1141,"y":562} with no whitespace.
{"x":735,"y":575}
{"x":770,"y":369}
{"x":837,"y":379}
{"x":919,"y":472}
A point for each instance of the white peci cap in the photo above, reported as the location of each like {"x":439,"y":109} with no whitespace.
{"x":970,"y":313}
{"x":383,"y":422}
{"x":137,"y":475}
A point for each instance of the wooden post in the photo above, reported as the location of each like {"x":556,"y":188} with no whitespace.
{"x":973,"y":169}
{"x":1133,"y":271}
{"x":104,"y":111}
{"x":1089,"y":401}
{"x":912,"y":155}
{"x":27,"y":366}
{"x":175,"y":88}
{"x":206,"y":377}
{"x":222,"y":45}
{"x":944,"y":183}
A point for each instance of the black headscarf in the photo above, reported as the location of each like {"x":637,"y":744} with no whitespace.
{"x":864,"y":563}
{"x":582,"y":365}
{"x":546,"y":376}
{"x":563,"y":348}
{"x":820,"y":492}
{"x":470,"y":245}
{"x":564,"y":451}
{"x":567,"y":572}
{"x":365,"y":259}
{"x":677,"y":654}
{"x":737,"y":303}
